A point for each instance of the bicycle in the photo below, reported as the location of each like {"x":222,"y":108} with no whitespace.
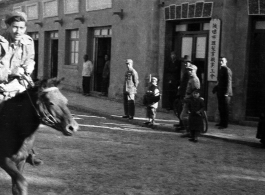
{"x":177,"y":108}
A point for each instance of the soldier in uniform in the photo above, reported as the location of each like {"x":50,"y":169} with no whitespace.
{"x":16,"y":62}
{"x":17,"y":55}
{"x":193,"y":84}
{"x":129,"y":90}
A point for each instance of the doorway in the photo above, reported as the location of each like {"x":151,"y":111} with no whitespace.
{"x":54,"y":58}
{"x":102,"y":48}
{"x":256,"y":71}
{"x":35,"y":71}
{"x":35,"y":37}
{"x":51,"y":59}
{"x":195,"y":46}
{"x":187,"y":38}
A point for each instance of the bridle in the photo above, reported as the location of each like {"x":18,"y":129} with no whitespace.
{"x":43,"y":113}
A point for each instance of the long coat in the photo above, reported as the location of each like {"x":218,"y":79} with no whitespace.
{"x":224,"y":86}
{"x":195,"y":120}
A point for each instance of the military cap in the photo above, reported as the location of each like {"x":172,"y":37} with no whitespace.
{"x":129,"y":61}
{"x":15,"y":14}
{"x":154,"y":78}
{"x":192,"y":67}
{"x":187,"y":58}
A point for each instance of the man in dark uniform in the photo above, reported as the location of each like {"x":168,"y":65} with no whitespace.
{"x":172,"y":77}
{"x":186,"y":61}
{"x":224,"y":92}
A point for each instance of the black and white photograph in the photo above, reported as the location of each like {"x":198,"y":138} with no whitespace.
{"x":132,"y":97}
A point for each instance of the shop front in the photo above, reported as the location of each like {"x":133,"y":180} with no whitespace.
{"x":187,"y":34}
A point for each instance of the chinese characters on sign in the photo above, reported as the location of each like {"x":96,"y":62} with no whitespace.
{"x":213,"y":56}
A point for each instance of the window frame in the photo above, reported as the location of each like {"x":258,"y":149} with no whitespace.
{"x":100,"y":7}
{"x":71,"y":12}
{"x":45,"y":14}
{"x":29,"y":5}
{"x":17,"y":8}
{"x":73,"y":50}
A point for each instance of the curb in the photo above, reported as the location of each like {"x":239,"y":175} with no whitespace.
{"x":244,"y":141}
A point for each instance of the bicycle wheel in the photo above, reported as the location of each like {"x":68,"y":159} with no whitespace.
{"x":205,"y":122}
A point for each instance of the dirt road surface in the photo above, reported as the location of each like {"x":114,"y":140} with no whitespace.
{"x":108,"y":157}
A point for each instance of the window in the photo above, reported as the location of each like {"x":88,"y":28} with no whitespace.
{"x":50,"y":8}
{"x":34,"y":35}
{"x":73,"y":45}
{"x":71,"y":6}
{"x":32,"y":11}
{"x":103,"y":32}
{"x":96,"y":4}
{"x":260,"y":25}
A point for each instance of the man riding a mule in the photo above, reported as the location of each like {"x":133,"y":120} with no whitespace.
{"x":16,"y":61}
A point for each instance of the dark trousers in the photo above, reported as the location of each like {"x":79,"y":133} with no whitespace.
{"x":223,"y":107}
{"x":128,"y":104}
{"x":86,"y":85}
{"x":105,"y":85}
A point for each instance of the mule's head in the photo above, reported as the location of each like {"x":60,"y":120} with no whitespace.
{"x":53,"y":108}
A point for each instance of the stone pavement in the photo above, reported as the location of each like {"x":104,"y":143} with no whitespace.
{"x":165,"y":120}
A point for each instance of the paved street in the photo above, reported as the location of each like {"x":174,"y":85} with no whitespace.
{"x":117,"y":158}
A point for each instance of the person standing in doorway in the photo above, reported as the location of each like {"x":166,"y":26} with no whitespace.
{"x":86,"y":74}
{"x":224,"y":92}
{"x":129,"y":90}
{"x":172,"y":77}
{"x":106,"y":76}
{"x":186,"y":61}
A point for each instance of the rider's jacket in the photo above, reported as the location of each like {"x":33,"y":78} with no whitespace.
{"x":13,"y":56}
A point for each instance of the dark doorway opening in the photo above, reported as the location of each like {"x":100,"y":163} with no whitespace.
{"x":194,"y":44}
{"x":103,"y":47}
{"x":34,"y":74}
{"x":54,"y":58}
{"x":256,"y":80}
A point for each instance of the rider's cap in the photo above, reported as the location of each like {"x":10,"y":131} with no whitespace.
{"x":15,"y":14}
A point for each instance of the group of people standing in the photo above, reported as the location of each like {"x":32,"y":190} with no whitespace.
{"x":193,"y":106}
{"x":188,"y":87}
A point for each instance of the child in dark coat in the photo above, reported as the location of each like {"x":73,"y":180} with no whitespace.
{"x":195,"y":108}
{"x":151,"y":99}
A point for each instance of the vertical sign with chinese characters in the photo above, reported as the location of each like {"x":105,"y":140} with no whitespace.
{"x":213,"y":56}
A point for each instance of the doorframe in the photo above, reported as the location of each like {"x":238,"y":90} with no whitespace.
{"x":49,"y":35}
{"x":200,"y":33}
{"x":96,"y":33}
{"x":252,"y":32}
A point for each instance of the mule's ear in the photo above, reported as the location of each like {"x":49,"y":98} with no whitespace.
{"x":51,"y":82}
{"x":59,"y":81}
{"x":42,"y":83}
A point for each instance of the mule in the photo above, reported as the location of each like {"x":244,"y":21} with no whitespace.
{"x":20,"y":118}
